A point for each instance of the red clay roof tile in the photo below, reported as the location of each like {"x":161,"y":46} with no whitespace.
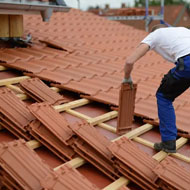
{"x":67,"y":178}
{"x":52,"y":119}
{"x":53,"y":125}
{"x":172,"y":176}
{"x":22,"y":166}
{"x":57,"y":45}
{"x":93,"y":146}
{"x":134,"y":164}
{"x":111,"y":96}
{"x":41,"y":133}
{"x":28,"y":66}
{"x":126,"y":107}
{"x":146,"y":108}
{"x":14,"y":112}
{"x":36,"y":89}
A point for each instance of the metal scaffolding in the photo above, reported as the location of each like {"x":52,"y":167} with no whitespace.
{"x":148,"y":18}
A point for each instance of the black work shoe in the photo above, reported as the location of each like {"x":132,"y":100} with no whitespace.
{"x":166,"y":146}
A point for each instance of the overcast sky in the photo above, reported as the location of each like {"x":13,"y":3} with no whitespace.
{"x":84,"y":4}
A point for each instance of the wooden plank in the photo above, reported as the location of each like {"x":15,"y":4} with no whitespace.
{"x":4,"y":23}
{"x":107,"y":127}
{"x":77,"y":114}
{"x":104,"y":117}
{"x":55,"y":89}
{"x":75,"y":163}
{"x":73,"y":104}
{"x":15,"y":88}
{"x":15,"y":80}
{"x":116,"y":185}
{"x":2,"y":68}
{"x":136,"y":132}
{"x":144,"y":142}
{"x":1,"y":127}
{"x":22,"y":96}
{"x":87,"y":118}
{"x":180,"y":142}
{"x":33,"y":144}
{"x":16,"y":28}
{"x":162,"y":155}
{"x":181,"y":157}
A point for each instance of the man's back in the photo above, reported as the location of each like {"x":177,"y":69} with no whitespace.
{"x":171,"y":42}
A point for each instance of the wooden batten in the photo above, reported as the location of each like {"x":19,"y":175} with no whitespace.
{"x":11,"y":26}
{"x":4,"y":23}
{"x":16,"y":28}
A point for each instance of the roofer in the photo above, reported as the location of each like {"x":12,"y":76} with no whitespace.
{"x":173,"y":44}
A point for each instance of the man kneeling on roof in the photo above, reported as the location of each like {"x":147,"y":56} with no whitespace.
{"x":173,"y":44}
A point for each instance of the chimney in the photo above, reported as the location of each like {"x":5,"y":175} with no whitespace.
{"x":123,"y":5}
{"x":11,"y":26}
{"x":107,"y":6}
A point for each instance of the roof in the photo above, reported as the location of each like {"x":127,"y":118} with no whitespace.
{"x":179,"y":16}
{"x":84,"y":55}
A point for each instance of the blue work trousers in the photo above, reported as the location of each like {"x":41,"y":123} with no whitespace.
{"x":173,"y":84}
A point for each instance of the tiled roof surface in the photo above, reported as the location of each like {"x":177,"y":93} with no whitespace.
{"x":92,"y":60}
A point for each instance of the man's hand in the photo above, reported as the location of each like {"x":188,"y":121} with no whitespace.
{"x":129,"y":81}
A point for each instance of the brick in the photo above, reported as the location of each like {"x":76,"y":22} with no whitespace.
{"x":172,"y":176}
{"x":126,"y":108}
{"x":93,"y":146}
{"x":14,"y":114}
{"x":67,"y":178}
{"x":20,"y":166}
{"x":40,"y":92}
{"x":134,"y":164}
{"x":53,"y":125}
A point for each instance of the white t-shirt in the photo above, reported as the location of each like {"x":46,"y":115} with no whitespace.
{"x":171,"y":43}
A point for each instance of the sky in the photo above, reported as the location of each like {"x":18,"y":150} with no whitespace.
{"x":84,"y":4}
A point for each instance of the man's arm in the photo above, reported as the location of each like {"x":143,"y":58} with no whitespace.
{"x":140,"y":51}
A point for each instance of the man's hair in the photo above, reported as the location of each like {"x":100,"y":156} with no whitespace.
{"x":155,"y":27}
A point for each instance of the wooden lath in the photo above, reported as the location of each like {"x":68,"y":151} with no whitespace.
{"x":2,"y":68}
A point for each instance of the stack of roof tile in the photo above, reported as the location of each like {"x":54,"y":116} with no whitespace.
{"x":143,"y":170}
{"x":40,"y":92}
{"x":51,"y":129}
{"x":14,"y":114}
{"x":93,"y":146}
{"x":67,"y":178}
{"x":134,"y":164}
{"x":20,"y":167}
{"x":172,"y":176}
